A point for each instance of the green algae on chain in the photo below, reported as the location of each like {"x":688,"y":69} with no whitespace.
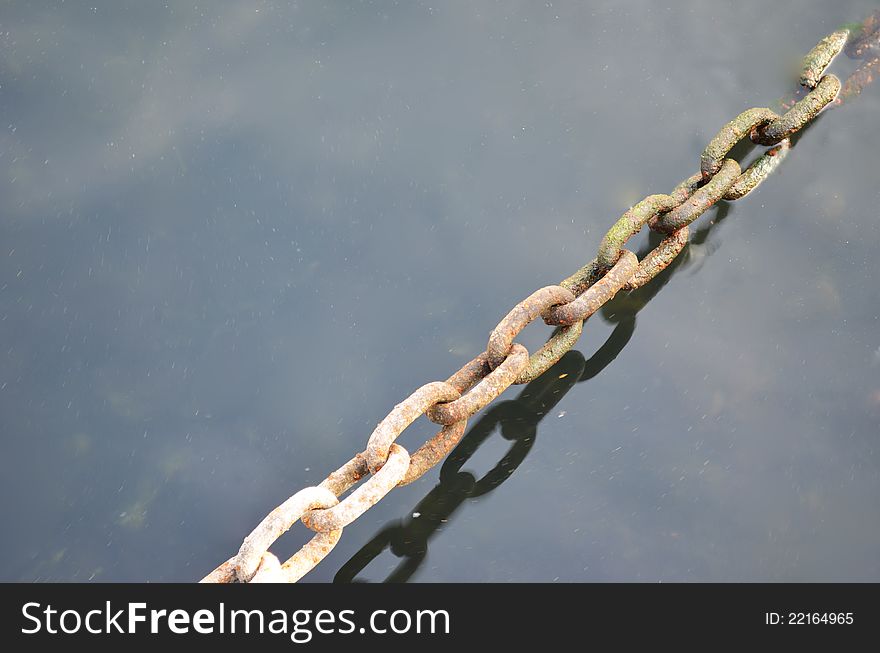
{"x":821,"y":56}
{"x":687,"y":187}
{"x":700,"y":201}
{"x":763,"y":167}
{"x":731,"y":134}
{"x":800,"y":114}
{"x":583,"y":278}
{"x":658,"y":259}
{"x":629,"y":224}
{"x":596,"y":295}
{"x":550,"y":352}
{"x":520,"y":316}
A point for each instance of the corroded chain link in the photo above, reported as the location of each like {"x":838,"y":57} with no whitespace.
{"x":385,"y":464}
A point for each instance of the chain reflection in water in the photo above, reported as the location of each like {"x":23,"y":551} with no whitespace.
{"x":596,"y":284}
{"x":518,"y":420}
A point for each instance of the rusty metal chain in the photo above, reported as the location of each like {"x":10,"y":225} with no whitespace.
{"x":567,"y":305}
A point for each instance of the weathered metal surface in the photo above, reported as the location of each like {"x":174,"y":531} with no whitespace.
{"x":732,"y":133}
{"x":583,"y":278}
{"x":755,"y":174}
{"x":631,"y":223}
{"x":244,"y":565}
{"x":496,"y":382}
{"x":361,"y":499}
{"x":687,"y":187}
{"x":658,"y":259}
{"x":300,"y":563}
{"x":821,"y":56}
{"x":433,"y":451}
{"x":223,"y":573}
{"x":401,"y":416}
{"x":550,"y":352}
{"x":596,"y":295}
{"x":347,"y":476}
{"x":520,"y":316}
{"x":700,"y":201}
{"x":800,"y":114}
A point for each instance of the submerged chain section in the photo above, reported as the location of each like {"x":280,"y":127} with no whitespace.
{"x":385,"y":464}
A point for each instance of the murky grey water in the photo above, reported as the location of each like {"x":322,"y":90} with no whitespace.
{"x":234,"y":235}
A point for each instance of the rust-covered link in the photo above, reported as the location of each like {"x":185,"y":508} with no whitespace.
{"x":300,"y":563}
{"x":480,"y":395}
{"x":563,"y":339}
{"x":687,"y":188}
{"x":401,"y":416}
{"x":583,"y":278}
{"x":520,"y":316}
{"x":821,"y":56}
{"x":347,"y":476}
{"x":629,"y":224}
{"x":764,"y":166}
{"x":800,"y":114}
{"x":658,"y":259}
{"x":364,"y":497}
{"x":732,"y":133}
{"x":700,"y":201}
{"x":592,"y":299}
{"x":404,"y":414}
{"x":470,"y":373}
{"x":270,"y":570}
{"x":243,"y":566}
{"x":433,"y":451}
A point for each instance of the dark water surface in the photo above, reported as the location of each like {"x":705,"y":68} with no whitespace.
{"x":234,"y":235}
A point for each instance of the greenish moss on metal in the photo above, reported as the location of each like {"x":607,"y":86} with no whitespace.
{"x":629,"y":224}
{"x":821,"y":56}
{"x":687,"y":187}
{"x":756,"y":173}
{"x":596,"y":295}
{"x":658,"y":259}
{"x":583,"y":278}
{"x":563,"y":339}
{"x":731,"y":134}
{"x":700,"y":201}
{"x":800,"y":114}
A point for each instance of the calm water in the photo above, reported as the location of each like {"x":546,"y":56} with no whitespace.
{"x":234,"y":235}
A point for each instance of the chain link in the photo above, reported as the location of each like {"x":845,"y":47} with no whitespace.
{"x":566,"y":305}
{"x":250,"y":556}
{"x":520,"y":316}
{"x":366,"y":496}
{"x":404,"y":414}
{"x":481,"y":394}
